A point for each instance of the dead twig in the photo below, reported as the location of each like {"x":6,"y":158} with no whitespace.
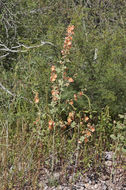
{"x":12,"y":94}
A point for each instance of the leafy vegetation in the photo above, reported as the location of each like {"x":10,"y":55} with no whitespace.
{"x":62,"y":93}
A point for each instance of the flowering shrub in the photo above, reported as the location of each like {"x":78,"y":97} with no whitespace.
{"x":61,"y":80}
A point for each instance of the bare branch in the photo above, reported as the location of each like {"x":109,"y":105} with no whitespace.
{"x":13,"y":49}
{"x":14,"y":95}
{"x":9,"y":22}
{"x":3,"y":56}
{"x":6,"y":90}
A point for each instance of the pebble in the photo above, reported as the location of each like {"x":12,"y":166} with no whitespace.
{"x":108,"y":163}
{"x":56,"y":175}
{"x":60,"y":187}
{"x":90,"y":182}
{"x":66,"y":188}
{"x":105,"y":177}
{"x":86,"y":179}
{"x":109,"y":155}
{"x":104,"y":187}
{"x":46,"y":188}
{"x":79,"y":186}
{"x":70,"y":179}
{"x":96,"y":186}
{"x":87,"y":185}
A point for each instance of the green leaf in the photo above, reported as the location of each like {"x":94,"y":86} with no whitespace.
{"x":113,"y":137}
{"x":60,"y":82}
{"x":121,"y":116}
{"x":124,"y":150}
{"x":73,"y":124}
{"x":82,"y":139}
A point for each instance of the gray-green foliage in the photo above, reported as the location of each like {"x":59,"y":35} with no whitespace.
{"x":96,"y":63}
{"x":98,"y":52}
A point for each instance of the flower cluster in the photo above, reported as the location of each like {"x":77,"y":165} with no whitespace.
{"x":36,"y":98}
{"x":76,"y":96}
{"x":55,"y":93}
{"x":51,"y":124}
{"x":70,"y":117}
{"x":53,"y":78}
{"x":68,"y":40}
{"x":60,"y":79}
{"x":53,"y":74}
{"x":89,"y":130}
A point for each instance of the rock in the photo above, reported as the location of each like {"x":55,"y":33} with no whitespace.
{"x":93,"y":182}
{"x":60,"y":187}
{"x":105,"y":177}
{"x":42,"y":185}
{"x":109,"y":155}
{"x":66,"y":188}
{"x":87,"y":185}
{"x":70,"y":179}
{"x":90,"y":182}
{"x":45,"y":188}
{"x":86,"y":179}
{"x":79,"y":186}
{"x":108,"y":163}
{"x":56,"y":175}
{"x":104,"y":187}
{"x":96,"y":186}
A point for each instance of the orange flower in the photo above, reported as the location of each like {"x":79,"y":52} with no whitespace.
{"x":53,"y":68}
{"x":75,"y":97}
{"x":86,"y":118}
{"x":55,"y":98}
{"x":36,"y":122}
{"x":36,"y":98}
{"x":70,"y":79}
{"x":71,"y":115}
{"x":88,"y":133}
{"x":51,"y":124}
{"x":86,"y":140}
{"x":71,"y":102}
{"x":64,"y":127}
{"x":69,"y":43}
{"x":92,"y":129}
{"x":80,"y":93}
{"x":54,"y":92}
{"x":67,"y":84}
{"x":53,"y":77}
{"x":69,"y":120}
{"x":83,"y":132}
{"x":68,"y":40}
{"x":50,"y":127}
{"x":79,"y":142}
{"x":70,"y":29}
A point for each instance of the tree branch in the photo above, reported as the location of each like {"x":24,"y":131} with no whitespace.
{"x":14,"y":95}
{"x":6,"y":90}
{"x":16,"y":50}
{"x":3,"y":56}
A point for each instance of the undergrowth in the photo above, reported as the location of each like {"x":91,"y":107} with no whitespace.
{"x":56,"y":134}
